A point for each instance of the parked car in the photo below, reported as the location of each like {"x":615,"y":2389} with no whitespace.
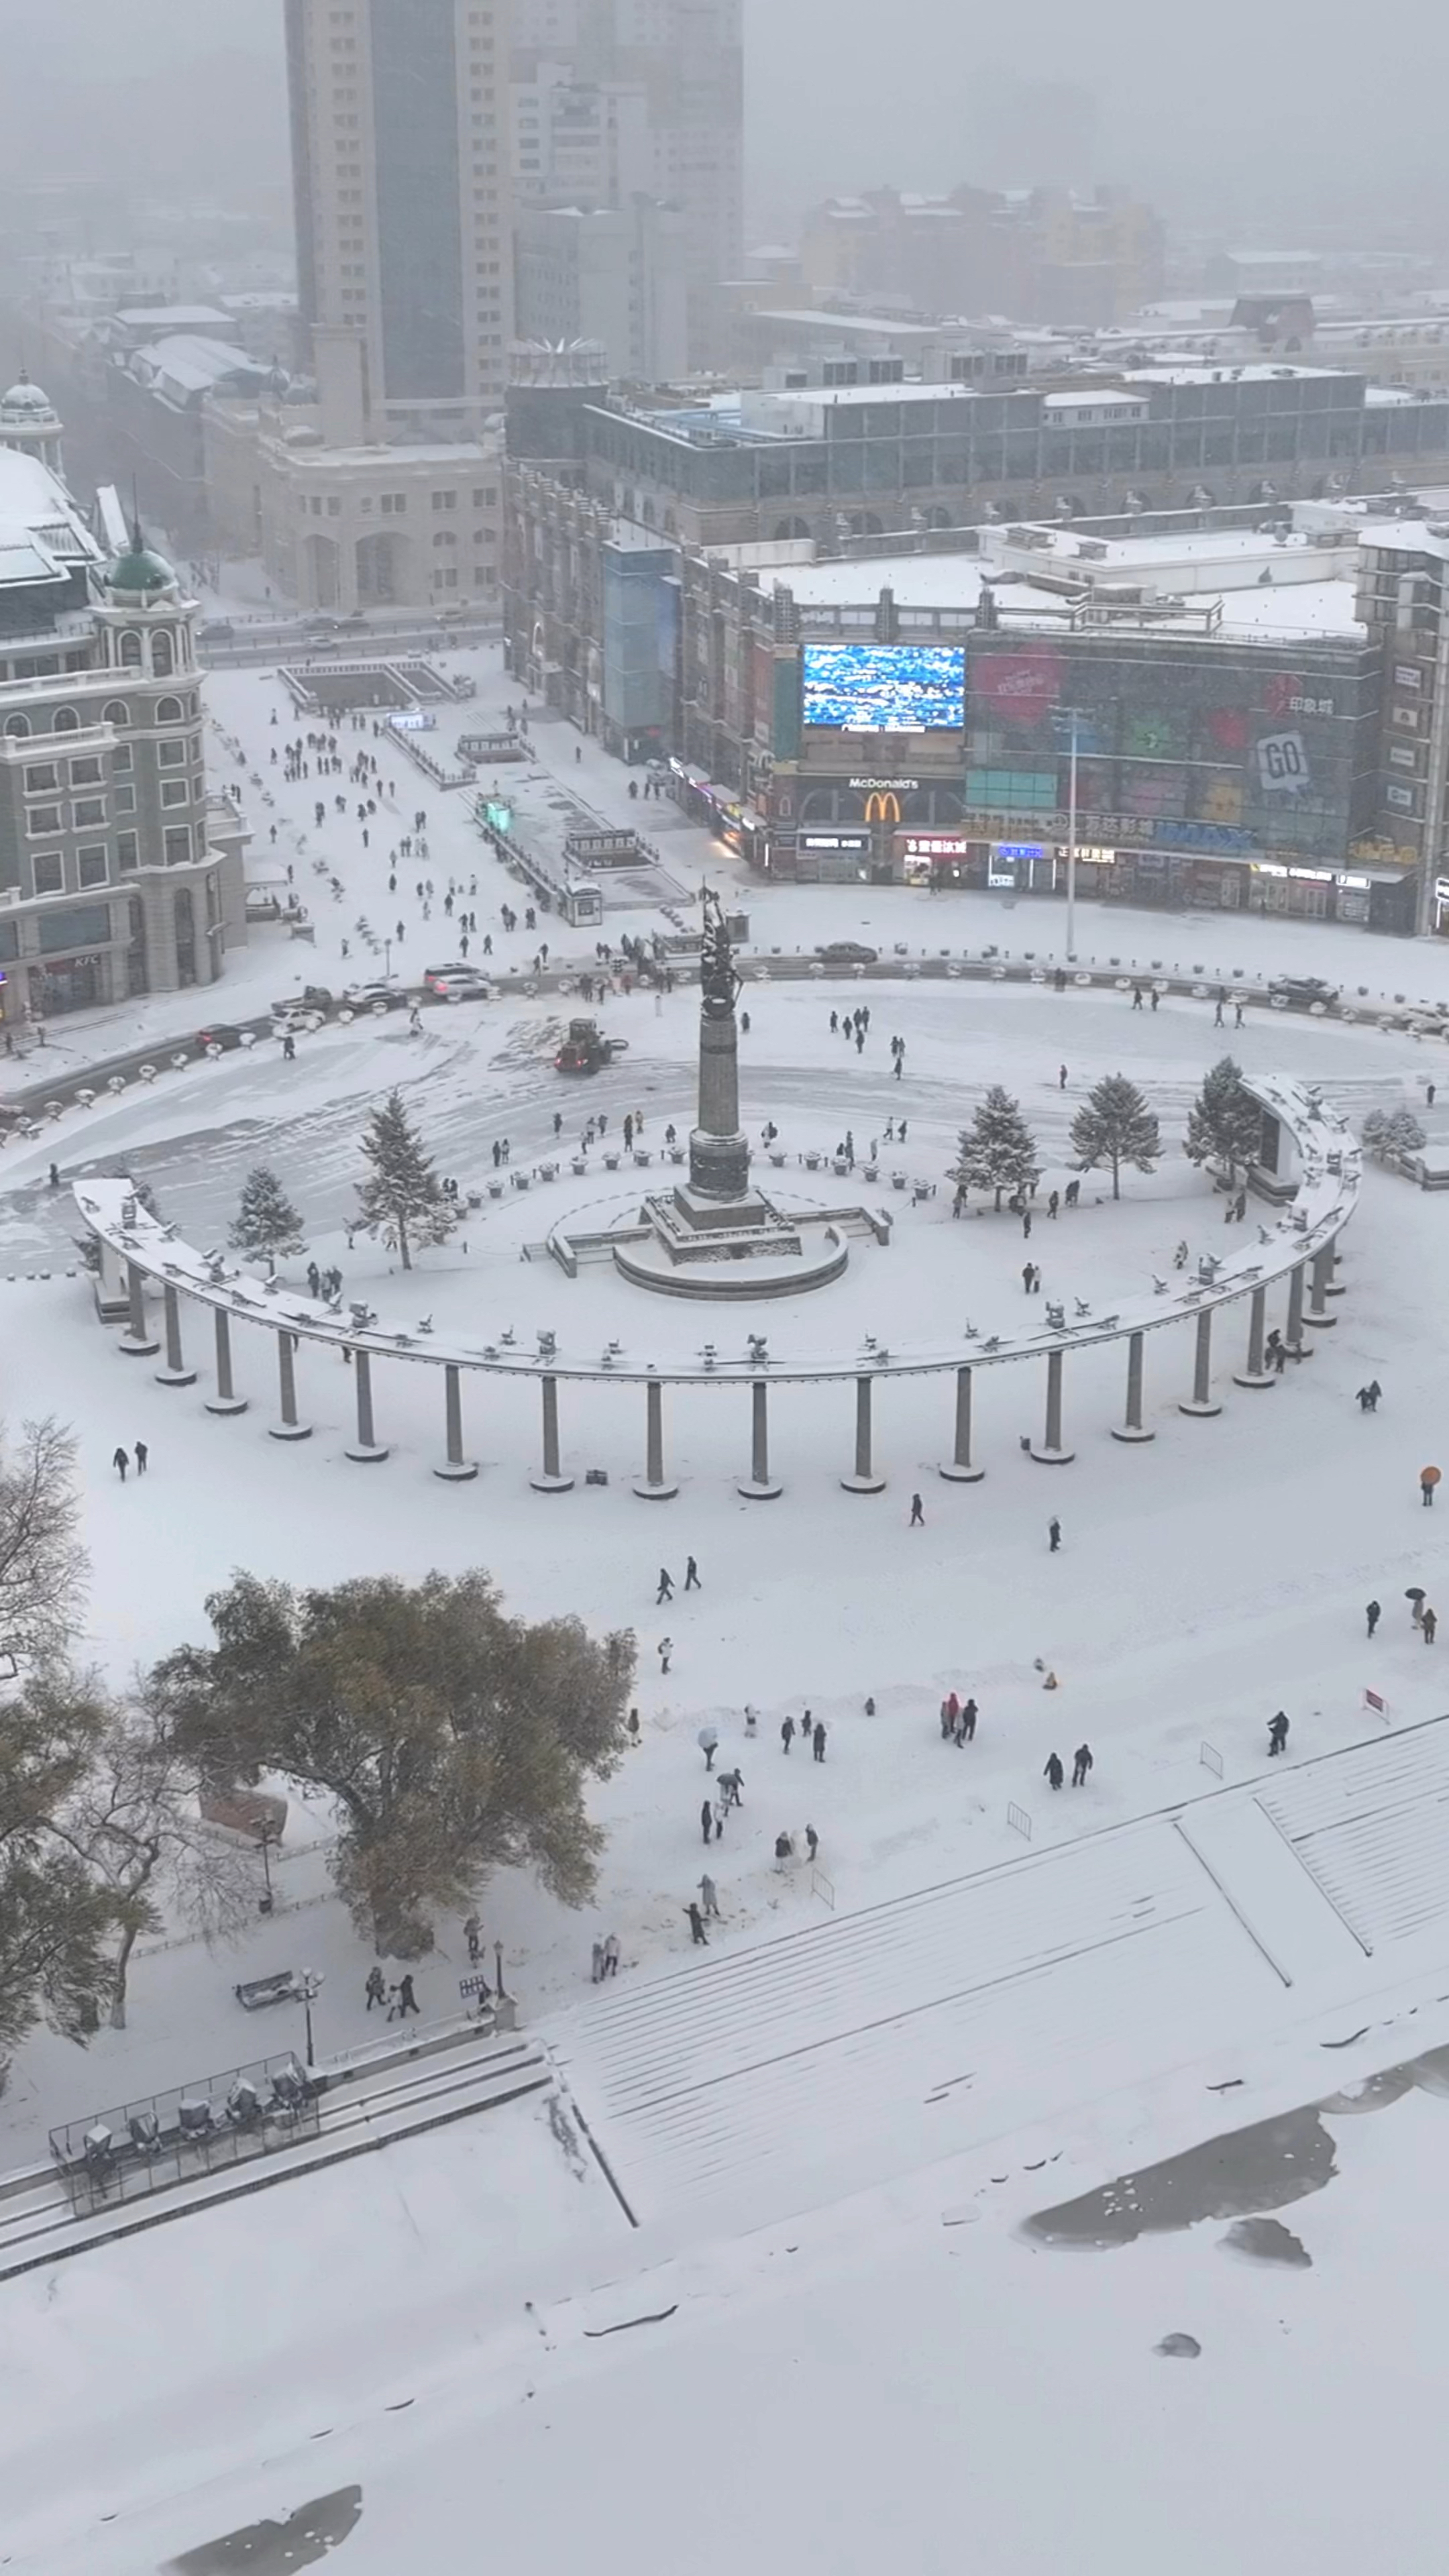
{"x":222,"y":1034}
{"x":322,"y":625}
{"x":374,"y":997}
{"x":316,"y":998}
{"x":217,"y":630}
{"x":1300,"y":992}
{"x":847,"y":952}
{"x":456,"y":984}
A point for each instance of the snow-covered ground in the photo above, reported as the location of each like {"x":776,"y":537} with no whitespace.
{"x":791,"y":919}
{"x":831,"y":2125}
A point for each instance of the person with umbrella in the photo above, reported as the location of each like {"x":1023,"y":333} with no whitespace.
{"x":1415,"y":1599}
{"x":708,"y":1742}
{"x":1428,"y":1479}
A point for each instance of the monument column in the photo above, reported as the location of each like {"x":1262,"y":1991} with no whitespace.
{"x":719,"y":1153}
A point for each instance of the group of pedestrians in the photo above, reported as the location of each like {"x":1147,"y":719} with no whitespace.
{"x":1082,"y":1763}
{"x":810,"y":1730}
{"x":121,"y":1460}
{"x":958,"y":1720}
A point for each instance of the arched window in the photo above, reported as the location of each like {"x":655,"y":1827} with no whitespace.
{"x":19,"y":726}
{"x":163,"y":652}
{"x":116,"y":712}
{"x":168,"y":711}
{"x":445,"y":537}
{"x":65,"y":720}
{"x":130,"y":650}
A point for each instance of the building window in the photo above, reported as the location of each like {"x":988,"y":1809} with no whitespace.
{"x":131,"y":650}
{"x":445,"y":537}
{"x":178,"y":845}
{"x":122,"y":756}
{"x":18,"y":727}
{"x":48,"y":873}
{"x":125,"y":800}
{"x":163,"y":653}
{"x":116,"y":712}
{"x":173,"y":791}
{"x":445,"y":500}
{"x":93,"y":866}
{"x":65,"y":720}
{"x":172,"y":755}
{"x":42,"y":779}
{"x":86,"y":773}
{"x":168,"y":711}
{"x":86,"y":811}
{"x":334,"y":506}
{"x":42,"y":819}
{"x":185,"y":920}
{"x":128,"y":852}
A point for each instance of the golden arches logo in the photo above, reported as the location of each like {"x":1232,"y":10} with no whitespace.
{"x":882,"y":808}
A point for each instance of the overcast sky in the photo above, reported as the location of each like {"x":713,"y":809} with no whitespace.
{"x":1272,"y":118}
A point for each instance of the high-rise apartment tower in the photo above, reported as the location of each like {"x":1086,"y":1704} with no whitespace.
{"x":401,"y":154}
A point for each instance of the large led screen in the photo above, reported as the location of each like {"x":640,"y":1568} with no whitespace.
{"x":885,"y":688}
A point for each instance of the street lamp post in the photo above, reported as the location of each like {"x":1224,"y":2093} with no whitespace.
{"x":309,"y":1987}
{"x":1071,"y":718}
{"x":267,"y":1834}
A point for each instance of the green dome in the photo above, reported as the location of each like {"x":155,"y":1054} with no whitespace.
{"x":139,"y":570}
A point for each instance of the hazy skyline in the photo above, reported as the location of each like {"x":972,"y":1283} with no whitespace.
{"x":1259,"y":123}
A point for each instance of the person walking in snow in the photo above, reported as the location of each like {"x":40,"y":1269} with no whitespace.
{"x":697,"y":1932}
{"x":120,"y":1460}
{"x":666,"y":1649}
{"x":611,"y":1954}
{"x":708,"y":1740}
{"x":376,"y":1988}
{"x":966,"y":1732}
{"x":691,"y":1576}
{"x":1053,"y":1771}
{"x":1373,"y":1614}
{"x":918,"y":1512}
{"x":812,"y":1841}
{"x":142,"y":1456}
{"x":1061,"y":1077}
{"x":407,"y":2001}
{"x":818,"y":1740}
{"x":1428,"y":1479}
{"x":1054,"y":1535}
{"x":666,"y":1587}
{"x":1428,"y":1624}
{"x":948,"y":1725}
{"x":731,"y":1785}
{"x":473,"y":1935}
{"x":706,"y":1821}
{"x":596,"y":1970}
{"x":1277,"y":1733}
{"x":1081,"y":1765}
{"x":709,"y":1897}
{"x":787,"y":1733}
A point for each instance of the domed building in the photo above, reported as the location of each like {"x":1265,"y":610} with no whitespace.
{"x":121,"y":873}
{"x":30,"y":423}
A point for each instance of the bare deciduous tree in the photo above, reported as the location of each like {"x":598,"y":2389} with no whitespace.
{"x":43,"y":1567}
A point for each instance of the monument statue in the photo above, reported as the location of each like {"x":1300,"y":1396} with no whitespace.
{"x":719,"y":1157}
{"x":718,"y":976}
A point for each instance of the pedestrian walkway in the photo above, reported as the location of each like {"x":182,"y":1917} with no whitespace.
{"x":786,"y":2074}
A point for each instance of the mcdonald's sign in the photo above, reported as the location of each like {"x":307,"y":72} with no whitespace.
{"x":882,"y":806}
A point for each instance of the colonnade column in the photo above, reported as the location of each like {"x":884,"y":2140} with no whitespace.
{"x":1318,"y":1283}
{"x":1253,"y":1373}
{"x":865,"y":1480}
{"x":1201,"y":1399}
{"x":226,"y":1399}
{"x":454,"y":1468}
{"x":1048,"y":1451}
{"x":1132,"y":1426}
{"x":551,"y":1480}
{"x":176,"y":1372}
{"x":958,"y":1469}
{"x":137,"y":1341}
{"x":759,"y":1486}
{"x":366,"y":1448}
{"x":653,"y":1486}
{"x":288,"y":1428}
{"x":1293,"y":1328}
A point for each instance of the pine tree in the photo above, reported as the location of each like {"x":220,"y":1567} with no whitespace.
{"x":1392,"y":1135}
{"x":998,"y":1151}
{"x":1115,"y":1126}
{"x":402,"y":1199}
{"x":266,"y":1221}
{"x":1225,"y":1123}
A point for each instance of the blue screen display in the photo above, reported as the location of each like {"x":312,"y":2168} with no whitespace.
{"x":885,"y":688}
